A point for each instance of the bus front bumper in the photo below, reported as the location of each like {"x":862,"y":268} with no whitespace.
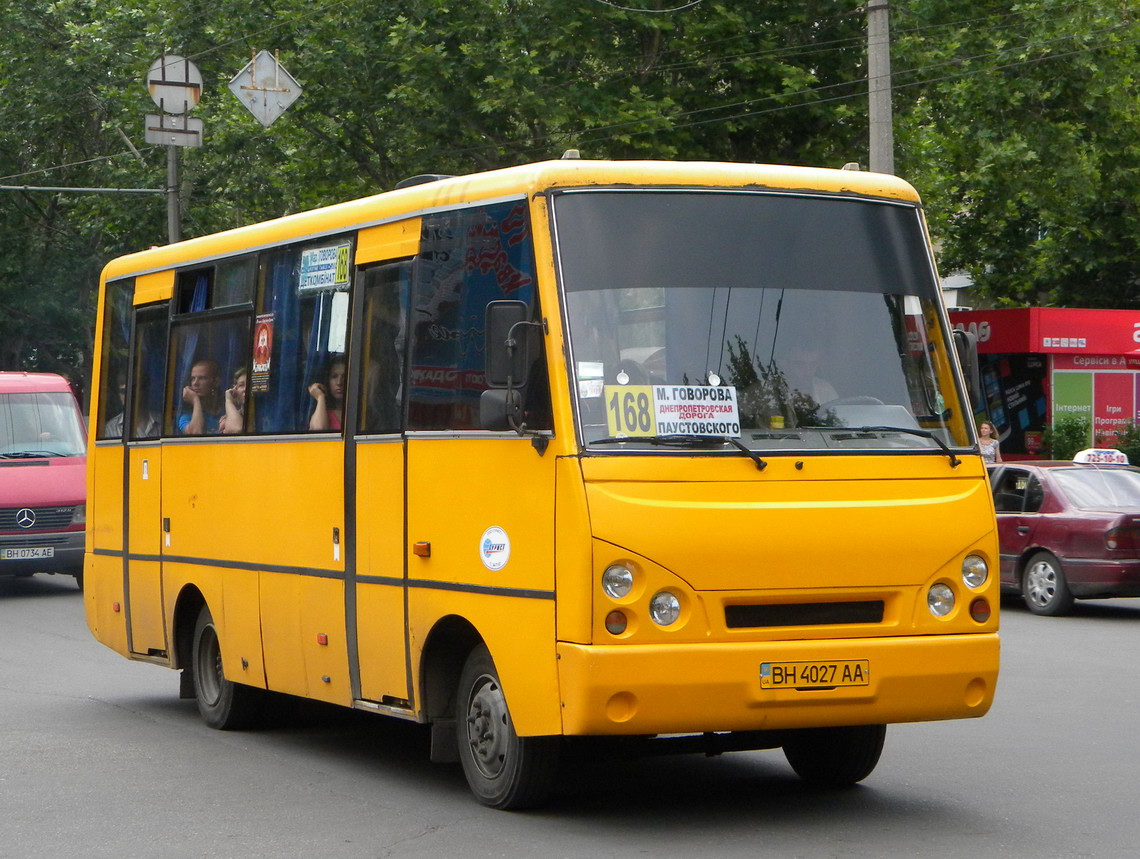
{"x":697,"y":688}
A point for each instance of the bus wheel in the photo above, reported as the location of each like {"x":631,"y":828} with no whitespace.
{"x":1043,"y":586}
{"x":503,"y":769}
{"x":224,"y":705}
{"x":835,"y":757}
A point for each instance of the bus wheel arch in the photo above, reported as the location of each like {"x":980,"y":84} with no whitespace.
{"x":441,"y":662}
{"x":186,"y":611}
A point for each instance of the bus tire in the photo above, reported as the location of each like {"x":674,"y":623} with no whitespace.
{"x":1043,"y":586}
{"x":224,"y":705}
{"x":503,"y":770}
{"x":835,"y":757}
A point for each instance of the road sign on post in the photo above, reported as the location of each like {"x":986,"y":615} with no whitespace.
{"x":175,"y":84}
{"x":265,"y":88}
{"x":168,"y":130}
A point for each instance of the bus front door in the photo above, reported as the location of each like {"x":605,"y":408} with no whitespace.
{"x":376,"y":584}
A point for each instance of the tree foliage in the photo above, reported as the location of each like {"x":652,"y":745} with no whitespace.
{"x":1014,"y":121}
{"x":1020,"y":127}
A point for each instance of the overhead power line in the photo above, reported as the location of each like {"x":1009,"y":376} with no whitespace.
{"x":65,"y":189}
{"x":649,"y":11}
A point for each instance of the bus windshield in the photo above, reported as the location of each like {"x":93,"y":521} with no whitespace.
{"x":782,"y":321}
{"x":35,"y":425}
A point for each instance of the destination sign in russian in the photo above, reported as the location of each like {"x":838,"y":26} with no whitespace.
{"x":672,"y":410}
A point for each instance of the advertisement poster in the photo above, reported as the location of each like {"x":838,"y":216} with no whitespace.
{"x":1015,"y":400}
{"x":262,"y":353}
{"x":1101,"y":389}
{"x":1113,"y":404}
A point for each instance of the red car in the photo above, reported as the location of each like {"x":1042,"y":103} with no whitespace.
{"x":1067,"y":531}
{"x":43,"y":476}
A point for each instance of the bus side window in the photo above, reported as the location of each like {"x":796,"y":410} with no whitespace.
{"x":149,"y":371}
{"x":113,"y":374}
{"x":467,"y":259}
{"x":386,"y":296}
{"x":300,"y":342}
{"x":205,"y":350}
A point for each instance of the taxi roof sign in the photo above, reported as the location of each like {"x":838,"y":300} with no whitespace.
{"x":1101,"y":456}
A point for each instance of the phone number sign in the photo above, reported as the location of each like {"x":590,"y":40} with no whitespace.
{"x":672,"y":410}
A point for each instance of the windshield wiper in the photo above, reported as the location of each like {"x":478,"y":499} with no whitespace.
{"x":32,"y":454}
{"x":921,"y":433}
{"x":687,"y":440}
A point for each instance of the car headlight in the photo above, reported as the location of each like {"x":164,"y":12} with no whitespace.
{"x":940,"y":600}
{"x":79,"y":515}
{"x":664,"y":608}
{"x":617,"y":581}
{"x":975,"y":571}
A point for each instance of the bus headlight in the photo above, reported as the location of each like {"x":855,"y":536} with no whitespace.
{"x":974,"y":571}
{"x":664,"y":608}
{"x":940,"y":600}
{"x":617,"y":581}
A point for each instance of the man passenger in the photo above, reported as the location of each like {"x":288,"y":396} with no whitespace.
{"x":203,"y":398}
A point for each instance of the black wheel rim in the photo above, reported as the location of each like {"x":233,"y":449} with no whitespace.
{"x":488,"y":728}
{"x":208,"y":667}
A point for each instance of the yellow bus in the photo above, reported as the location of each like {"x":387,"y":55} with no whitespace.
{"x":679,"y":452}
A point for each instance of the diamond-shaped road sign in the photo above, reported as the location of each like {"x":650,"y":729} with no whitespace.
{"x":265,"y":88}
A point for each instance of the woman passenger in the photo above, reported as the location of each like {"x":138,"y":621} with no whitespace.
{"x":234,"y":418}
{"x":329,"y":411}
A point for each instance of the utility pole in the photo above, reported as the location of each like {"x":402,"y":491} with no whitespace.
{"x":175,"y":84}
{"x":173,"y":200}
{"x":879,"y":87}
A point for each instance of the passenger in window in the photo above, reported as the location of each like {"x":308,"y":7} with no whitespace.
{"x":113,"y":428}
{"x":329,"y":411}
{"x":234,"y":419}
{"x":148,"y":424}
{"x":205,"y":402}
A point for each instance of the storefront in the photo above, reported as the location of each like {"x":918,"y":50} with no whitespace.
{"x":1039,"y":363}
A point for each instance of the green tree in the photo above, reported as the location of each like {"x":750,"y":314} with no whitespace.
{"x":391,"y":88}
{"x":1019,"y":123}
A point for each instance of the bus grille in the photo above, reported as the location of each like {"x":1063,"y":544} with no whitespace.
{"x":803,"y":614}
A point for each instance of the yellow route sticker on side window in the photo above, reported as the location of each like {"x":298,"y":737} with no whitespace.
{"x":641,"y":410}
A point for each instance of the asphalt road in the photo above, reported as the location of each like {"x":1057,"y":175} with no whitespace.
{"x":99,"y":757}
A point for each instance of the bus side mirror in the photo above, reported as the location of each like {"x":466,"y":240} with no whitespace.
{"x":966,"y":345}
{"x":506,"y":345}
{"x":500,"y":409}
